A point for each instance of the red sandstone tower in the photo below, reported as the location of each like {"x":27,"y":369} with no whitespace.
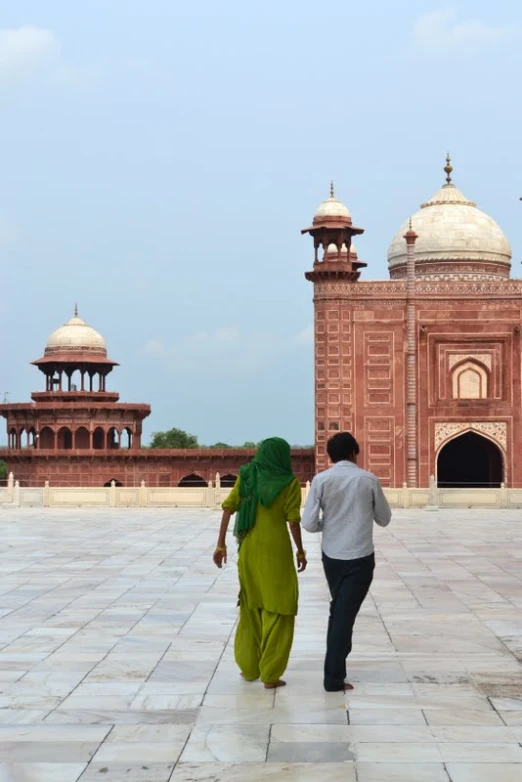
{"x":336,"y":270}
{"x":425,"y":367}
{"x":75,"y":412}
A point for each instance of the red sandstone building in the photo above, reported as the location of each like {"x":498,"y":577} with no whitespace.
{"x":77,"y":433}
{"x":424,"y":368}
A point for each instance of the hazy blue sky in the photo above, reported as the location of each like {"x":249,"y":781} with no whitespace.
{"x":159,"y":162}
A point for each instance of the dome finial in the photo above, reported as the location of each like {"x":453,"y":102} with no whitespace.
{"x":76,"y":310}
{"x":448,"y":168}
{"x":332,"y":190}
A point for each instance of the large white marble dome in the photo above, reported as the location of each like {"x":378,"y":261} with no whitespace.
{"x":75,"y":336}
{"x":455,"y":239}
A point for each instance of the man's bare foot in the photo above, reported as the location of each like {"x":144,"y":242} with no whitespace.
{"x":348,"y":686}
{"x":273,"y":685}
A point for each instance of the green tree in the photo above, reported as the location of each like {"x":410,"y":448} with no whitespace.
{"x":174,"y":438}
{"x":249,"y":444}
{"x":3,"y":469}
{"x":220,"y":445}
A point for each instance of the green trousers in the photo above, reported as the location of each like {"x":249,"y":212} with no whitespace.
{"x":263,"y":643}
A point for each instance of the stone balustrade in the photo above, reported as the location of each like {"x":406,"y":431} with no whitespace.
{"x":211,"y":496}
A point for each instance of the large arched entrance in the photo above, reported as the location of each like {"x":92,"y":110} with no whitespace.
{"x":469,"y":461}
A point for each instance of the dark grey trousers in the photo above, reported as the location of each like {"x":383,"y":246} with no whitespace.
{"x":349,"y":581}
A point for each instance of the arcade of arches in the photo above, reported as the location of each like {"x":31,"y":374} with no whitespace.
{"x":51,"y":438}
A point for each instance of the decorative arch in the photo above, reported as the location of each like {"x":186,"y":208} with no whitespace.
{"x":470,"y":379}
{"x":228,"y":481}
{"x":47,"y":438}
{"x":30,"y":437}
{"x":470,"y":459}
{"x":82,"y":438}
{"x":193,"y":480}
{"x":64,"y":438}
{"x":98,"y":438}
{"x":448,"y":430}
{"x":108,"y":484}
{"x":126,"y":438}
{"x":113,"y":438}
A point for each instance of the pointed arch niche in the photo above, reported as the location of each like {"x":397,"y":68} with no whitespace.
{"x":470,"y":379}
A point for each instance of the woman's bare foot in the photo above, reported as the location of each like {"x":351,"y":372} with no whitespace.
{"x":273,"y":685}
{"x":348,"y":686}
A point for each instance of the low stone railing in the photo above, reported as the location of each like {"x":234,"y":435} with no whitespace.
{"x":211,"y":496}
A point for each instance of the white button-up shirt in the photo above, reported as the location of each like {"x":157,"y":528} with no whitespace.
{"x":343,"y":503}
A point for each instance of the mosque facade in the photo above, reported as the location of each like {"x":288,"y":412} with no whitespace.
{"x":423,"y":368}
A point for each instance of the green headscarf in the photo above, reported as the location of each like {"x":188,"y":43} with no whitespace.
{"x":269,"y":472}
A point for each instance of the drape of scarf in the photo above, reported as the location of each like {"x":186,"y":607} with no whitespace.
{"x":262,"y":481}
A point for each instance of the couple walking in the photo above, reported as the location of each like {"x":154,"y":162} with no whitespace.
{"x":343,"y":504}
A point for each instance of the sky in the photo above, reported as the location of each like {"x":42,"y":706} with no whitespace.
{"x":159,"y":160}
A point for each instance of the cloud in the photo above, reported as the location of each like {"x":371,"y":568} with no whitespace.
{"x":440,"y":31}
{"x":26,"y":51}
{"x":203,"y":351}
{"x":34,"y":53}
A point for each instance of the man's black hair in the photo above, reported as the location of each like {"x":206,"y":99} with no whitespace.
{"x":342,"y":447}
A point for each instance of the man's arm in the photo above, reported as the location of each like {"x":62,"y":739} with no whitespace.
{"x":311,"y":520}
{"x":381,"y":509}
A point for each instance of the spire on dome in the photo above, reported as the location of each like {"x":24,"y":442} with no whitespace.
{"x":332,"y":189}
{"x":448,"y":168}
{"x":76,"y":310}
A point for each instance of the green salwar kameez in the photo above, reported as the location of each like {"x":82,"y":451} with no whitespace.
{"x":268,"y":586}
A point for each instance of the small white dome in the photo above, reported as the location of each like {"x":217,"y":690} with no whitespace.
{"x":332,"y":248}
{"x":76,"y":335}
{"x":332,"y":207}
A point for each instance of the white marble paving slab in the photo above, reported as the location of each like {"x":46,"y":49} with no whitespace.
{"x":40,"y":772}
{"x":227,"y":743}
{"x":116,"y":635}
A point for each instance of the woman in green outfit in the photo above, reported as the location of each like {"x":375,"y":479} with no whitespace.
{"x":265,"y":497}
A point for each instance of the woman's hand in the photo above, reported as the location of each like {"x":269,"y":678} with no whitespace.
{"x":301,"y":561}
{"x":220,"y":556}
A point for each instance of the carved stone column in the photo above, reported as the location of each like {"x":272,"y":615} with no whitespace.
{"x":411,"y":361}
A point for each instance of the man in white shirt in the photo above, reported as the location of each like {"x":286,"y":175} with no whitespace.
{"x":343,"y":504}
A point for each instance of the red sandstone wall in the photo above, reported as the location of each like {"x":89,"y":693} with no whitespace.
{"x":379,"y":395}
{"x":155,"y":467}
{"x":360,"y":343}
{"x":488,"y":329}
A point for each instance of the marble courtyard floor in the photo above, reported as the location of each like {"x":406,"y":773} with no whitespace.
{"x":116,"y":658}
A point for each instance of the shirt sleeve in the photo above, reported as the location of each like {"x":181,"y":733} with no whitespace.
{"x":312,"y":521}
{"x":293,"y":500}
{"x":232,"y":501}
{"x":381,"y":508}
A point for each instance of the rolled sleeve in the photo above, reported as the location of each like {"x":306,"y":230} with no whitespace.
{"x":293,"y":500}
{"x":381,"y":509}
{"x":311,"y":520}
{"x":232,"y":501}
